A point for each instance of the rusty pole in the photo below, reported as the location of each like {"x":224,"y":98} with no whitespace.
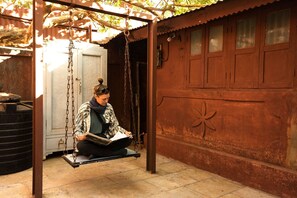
{"x":37,"y":83}
{"x":151,"y":96}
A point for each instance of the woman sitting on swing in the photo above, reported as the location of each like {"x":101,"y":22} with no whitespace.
{"x":97,"y":116}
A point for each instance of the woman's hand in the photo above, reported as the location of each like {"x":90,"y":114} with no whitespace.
{"x":129,"y":134}
{"x":81,"y":137}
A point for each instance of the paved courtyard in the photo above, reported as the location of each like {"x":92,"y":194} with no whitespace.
{"x":125,"y":177}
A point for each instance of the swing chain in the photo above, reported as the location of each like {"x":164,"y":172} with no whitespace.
{"x":126,"y":34}
{"x":125,"y":81}
{"x":72,"y":99}
{"x":128,"y":71}
{"x":69,"y":80}
{"x":70,"y":85}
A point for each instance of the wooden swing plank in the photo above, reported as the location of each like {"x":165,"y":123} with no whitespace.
{"x":82,"y":160}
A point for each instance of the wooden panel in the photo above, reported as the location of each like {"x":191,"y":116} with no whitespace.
{"x":244,"y":50}
{"x":196,"y":72}
{"x":215,"y":72}
{"x":215,"y":54}
{"x":244,"y":72}
{"x":195,"y":61}
{"x":277,"y":72}
{"x":277,"y":59}
{"x":251,"y":129}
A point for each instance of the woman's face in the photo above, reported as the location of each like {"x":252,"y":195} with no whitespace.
{"x":103,"y":99}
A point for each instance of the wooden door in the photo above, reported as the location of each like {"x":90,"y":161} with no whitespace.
{"x":89,"y":63}
{"x":196,"y":50}
{"x":215,"y":55}
{"x":244,"y":51}
{"x":92,"y":62}
{"x":277,"y":51}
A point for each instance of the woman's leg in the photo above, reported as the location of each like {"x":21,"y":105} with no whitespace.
{"x":89,"y":148}
{"x":119,"y":144}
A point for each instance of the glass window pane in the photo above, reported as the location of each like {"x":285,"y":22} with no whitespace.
{"x":278,"y":27}
{"x":245,"y":34}
{"x":196,"y":42}
{"x":215,"y":38}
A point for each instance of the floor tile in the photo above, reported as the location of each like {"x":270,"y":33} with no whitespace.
{"x":214,"y":187}
{"x":17,"y":190}
{"x":179,"y":192}
{"x":247,"y":192}
{"x":125,"y":177}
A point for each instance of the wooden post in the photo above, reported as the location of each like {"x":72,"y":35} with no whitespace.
{"x":37,"y":83}
{"x":151,"y":96}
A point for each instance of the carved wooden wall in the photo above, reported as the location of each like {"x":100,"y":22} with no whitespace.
{"x":227,"y":103}
{"x":226,"y":94}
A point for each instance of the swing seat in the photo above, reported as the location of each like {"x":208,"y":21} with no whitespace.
{"x":82,"y":160}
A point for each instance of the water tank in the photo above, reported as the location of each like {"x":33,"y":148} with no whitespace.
{"x":15,"y":135}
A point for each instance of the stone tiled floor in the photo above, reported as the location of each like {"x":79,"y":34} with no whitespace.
{"x":125,"y":178}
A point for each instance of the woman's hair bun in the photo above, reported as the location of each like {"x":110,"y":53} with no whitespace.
{"x":100,"y":80}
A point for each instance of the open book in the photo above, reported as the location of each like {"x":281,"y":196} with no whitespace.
{"x":118,"y":138}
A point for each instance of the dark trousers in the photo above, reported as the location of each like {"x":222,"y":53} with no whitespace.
{"x":89,"y":148}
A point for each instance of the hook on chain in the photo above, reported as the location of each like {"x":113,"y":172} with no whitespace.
{"x":126,"y":32}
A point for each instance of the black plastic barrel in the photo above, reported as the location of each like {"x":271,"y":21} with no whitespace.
{"x":15,"y":137}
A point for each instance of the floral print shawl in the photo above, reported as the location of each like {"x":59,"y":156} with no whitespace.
{"x":83,"y":120}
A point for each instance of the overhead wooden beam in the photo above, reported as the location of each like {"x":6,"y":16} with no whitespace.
{"x":132,"y":15}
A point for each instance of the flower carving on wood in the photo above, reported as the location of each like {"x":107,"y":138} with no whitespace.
{"x":204,"y":119}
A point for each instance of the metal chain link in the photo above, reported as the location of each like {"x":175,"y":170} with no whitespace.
{"x":70,"y":85}
{"x":70,"y":72}
{"x":125,"y":83}
{"x":125,"y":67}
{"x":128,"y":71}
{"x":72,"y":101}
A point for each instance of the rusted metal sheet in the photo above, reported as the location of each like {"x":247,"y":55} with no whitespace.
{"x":18,"y":12}
{"x":201,"y":16}
{"x":15,"y":75}
{"x":62,"y":32}
{"x":58,"y":32}
{"x":8,"y":22}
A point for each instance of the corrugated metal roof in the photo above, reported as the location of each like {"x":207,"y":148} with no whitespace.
{"x":201,"y":16}
{"x":212,"y":12}
{"x":186,"y":20}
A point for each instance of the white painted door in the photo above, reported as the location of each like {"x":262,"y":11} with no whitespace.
{"x":89,"y":63}
{"x":92,"y":60}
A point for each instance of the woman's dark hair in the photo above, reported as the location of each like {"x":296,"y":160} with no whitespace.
{"x":100,"y":89}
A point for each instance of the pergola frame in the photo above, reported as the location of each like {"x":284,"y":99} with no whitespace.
{"x":37,"y":85}
{"x":132,"y":14}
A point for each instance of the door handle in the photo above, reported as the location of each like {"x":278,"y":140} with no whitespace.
{"x":79,"y":81}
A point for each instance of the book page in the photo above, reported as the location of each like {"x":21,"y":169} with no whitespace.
{"x":118,"y":136}
{"x":97,"y":139}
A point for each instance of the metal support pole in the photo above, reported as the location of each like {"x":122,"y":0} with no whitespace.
{"x":151,"y":96}
{"x":37,"y":84}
